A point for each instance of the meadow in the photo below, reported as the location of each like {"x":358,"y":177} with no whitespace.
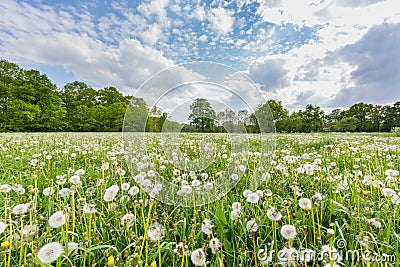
{"x":87,"y":199}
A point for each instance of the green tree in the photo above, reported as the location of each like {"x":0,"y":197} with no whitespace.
{"x":280,"y":115}
{"x":312,"y":119}
{"x":202,"y":115}
{"x":347,"y":124}
{"x":360,"y":112}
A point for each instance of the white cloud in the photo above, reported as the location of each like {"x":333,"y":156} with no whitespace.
{"x":152,"y":35}
{"x":221,"y":20}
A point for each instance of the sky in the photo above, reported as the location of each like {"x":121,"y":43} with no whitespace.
{"x":330,"y":53}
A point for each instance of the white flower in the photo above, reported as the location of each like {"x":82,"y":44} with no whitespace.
{"x":375,"y":222}
{"x":72,"y":246}
{"x":6,"y":188}
{"x":50,"y":252}
{"x":252,"y":226}
{"x":57,"y":219}
{"x":186,"y":189}
{"x":215,"y":245}
{"x":133,"y":190}
{"x":125,"y":186}
{"x":236,"y":206}
{"x":198,"y":257}
{"x":89,"y":208}
{"x":48,"y":191}
{"x":274,"y":215}
{"x":64,"y":192}
{"x":246,"y":192}
{"x":29,"y":230}
{"x":305,"y":203}
{"x":156,"y":232}
{"x":80,"y":172}
{"x":111,"y":193}
{"x":206,"y":226}
{"x":20,"y":209}
{"x":127,"y":220}
{"x":317,"y":196}
{"x":392,"y":173}
{"x":151,"y":173}
{"x":195,"y":183}
{"x":234,"y":177}
{"x":105,"y":166}
{"x":75,"y":179}
{"x":330,"y":231}
{"x":235,"y":214}
{"x":396,"y":199}
{"x":2,"y":227}
{"x":288,"y":231}
{"x":253,"y":198}
{"x":388,"y":192}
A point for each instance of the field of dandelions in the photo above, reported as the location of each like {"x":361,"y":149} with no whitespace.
{"x":71,"y":200}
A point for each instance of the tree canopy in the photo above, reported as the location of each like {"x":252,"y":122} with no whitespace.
{"x":29,"y":102}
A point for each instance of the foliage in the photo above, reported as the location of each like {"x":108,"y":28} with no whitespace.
{"x":30,"y":102}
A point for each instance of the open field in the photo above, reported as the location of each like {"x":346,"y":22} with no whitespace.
{"x":323,"y":199}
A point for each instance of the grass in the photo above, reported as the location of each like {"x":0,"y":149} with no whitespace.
{"x":342,"y":174}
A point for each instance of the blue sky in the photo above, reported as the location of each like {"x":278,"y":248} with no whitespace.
{"x":331,"y":53}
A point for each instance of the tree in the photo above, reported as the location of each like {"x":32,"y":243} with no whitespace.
{"x":279,"y":114}
{"x":136,"y":116}
{"x":347,"y":124}
{"x":202,"y":115}
{"x":312,"y":119}
{"x":359,"y":111}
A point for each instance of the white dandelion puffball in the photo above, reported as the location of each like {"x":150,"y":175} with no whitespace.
{"x":80,"y":172}
{"x":391,"y":173}
{"x":125,"y":186}
{"x":57,"y":219}
{"x":274,"y":215}
{"x":111,"y":193}
{"x":47,"y":191}
{"x":2,"y":227}
{"x":6,"y":188}
{"x":72,"y":246}
{"x":253,"y":198}
{"x":288,"y":231}
{"x":234,"y":177}
{"x":198,"y":257}
{"x":206,"y":227}
{"x":156,"y":232}
{"x":246,"y":193}
{"x":50,"y":252}
{"x":89,"y":208}
{"x":29,"y":229}
{"x":252,"y":226}
{"x":235,"y":214}
{"x":20,"y":209}
{"x":305,"y":203}
{"x":215,"y":245}
{"x":127,"y":219}
{"x":236,"y":205}
{"x":133,"y":190}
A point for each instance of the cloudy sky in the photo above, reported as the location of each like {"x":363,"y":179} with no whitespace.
{"x":332,"y":53}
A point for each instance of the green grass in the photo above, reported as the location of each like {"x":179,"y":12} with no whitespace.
{"x":349,"y":208}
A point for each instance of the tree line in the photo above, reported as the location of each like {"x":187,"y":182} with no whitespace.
{"x":29,"y":102}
